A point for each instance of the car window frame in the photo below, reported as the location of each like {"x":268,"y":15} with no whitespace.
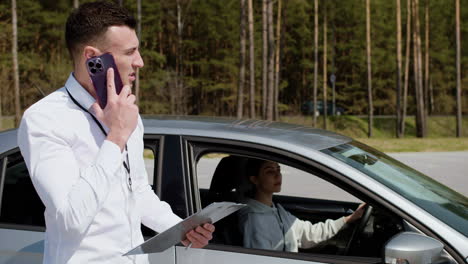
{"x":4,"y":161}
{"x":198,"y":146}
{"x":201,"y":145}
{"x":153,"y":142}
{"x":172,"y":152}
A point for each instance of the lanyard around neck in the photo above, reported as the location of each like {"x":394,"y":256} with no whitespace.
{"x":126,"y":166}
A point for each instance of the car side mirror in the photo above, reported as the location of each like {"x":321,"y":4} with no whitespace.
{"x":412,"y":248}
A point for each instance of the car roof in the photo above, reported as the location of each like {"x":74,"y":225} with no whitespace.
{"x":248,"y":130}
{"x":8,"y":140}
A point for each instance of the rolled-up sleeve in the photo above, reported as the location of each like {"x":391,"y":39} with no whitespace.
{"x":309,"y":235}
{"x":72,"y":194}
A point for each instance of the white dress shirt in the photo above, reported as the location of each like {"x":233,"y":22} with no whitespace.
{"x":91,"y":215}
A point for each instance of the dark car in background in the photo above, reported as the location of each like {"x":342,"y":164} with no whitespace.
{"x":307,"y":108}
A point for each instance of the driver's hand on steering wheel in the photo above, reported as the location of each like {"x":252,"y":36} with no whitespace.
{"x":357,"y":214}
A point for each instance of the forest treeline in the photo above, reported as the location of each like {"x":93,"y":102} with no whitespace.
{"x":199,"y":57}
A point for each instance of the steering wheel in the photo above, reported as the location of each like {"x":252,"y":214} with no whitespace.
{"x":359,"y":228}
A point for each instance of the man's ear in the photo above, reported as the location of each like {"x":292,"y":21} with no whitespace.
{"x":90,"y":51}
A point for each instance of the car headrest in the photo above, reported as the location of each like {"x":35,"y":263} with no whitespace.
{"x":228,"y":175}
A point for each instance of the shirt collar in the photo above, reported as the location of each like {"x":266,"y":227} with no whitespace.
{"x":79,"y":93}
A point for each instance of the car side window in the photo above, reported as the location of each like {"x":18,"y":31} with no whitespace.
{"x":149,"y":157}
{"x":224,"y":177}
{"x":297,"y":183}
{"x":20,"y":203}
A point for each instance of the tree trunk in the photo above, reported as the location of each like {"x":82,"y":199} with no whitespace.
{"x":415,"y":68}
{"x":277,"y":63}
{"x":325,"y":113}
{"x":421,"y":78}
{"x":315,"y":61}
{"x":398,"y":103}
{"x":180,"y":100}
{"x":251,"y":59}
{"x":120,"y":2}
{"x":264,"y":58}
{"x":76,"y":3}
{"x":137,"y":79}
{"x":333,"y":76}
{"x":161,"y":50}
{"x":14,"y":51}
{"x":240,"y":87}
{"x":369,"y":68}
{"x":420,"y":118}
{"x":459,"y":87}
{"x":271,"y":61}
{"x":426,"y":63}
{"x":407,"y":56}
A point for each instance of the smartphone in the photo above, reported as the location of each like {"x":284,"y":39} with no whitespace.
{"x":97,"y":69}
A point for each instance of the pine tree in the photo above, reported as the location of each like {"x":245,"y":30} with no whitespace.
{"x":264,"y":57}
{"x":277,"y":63}
{"x":369,"y":69}
{"x":271,"y":61}
{"x":240,"y":87}
{"x":251,"y":59}
{"x":14,"y":51}
{"x":137,"y":79}
{"x":407,"y":63}
{"x":325,"y":63}
{"x":459,"y":88}
{"x":315,"y":61}
{"x":398,"y":36}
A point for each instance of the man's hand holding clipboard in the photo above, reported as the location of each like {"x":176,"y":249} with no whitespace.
{"x":184,"y":230}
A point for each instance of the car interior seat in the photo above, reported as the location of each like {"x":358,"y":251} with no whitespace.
{"x":225,"y":186}
{"x":227,"y":179}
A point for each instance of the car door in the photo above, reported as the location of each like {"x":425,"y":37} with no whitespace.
{"x":154,"y":162}
{"x":22,"y":223}
{"x":21,"y":213}
{"x":220,"y":251}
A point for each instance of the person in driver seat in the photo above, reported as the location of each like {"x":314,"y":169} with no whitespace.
{"x":266,"y":225}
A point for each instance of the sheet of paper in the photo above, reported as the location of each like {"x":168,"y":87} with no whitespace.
{"x":162,"y":241}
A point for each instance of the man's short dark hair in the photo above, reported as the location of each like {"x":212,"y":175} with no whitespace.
{"x":91,"y":20}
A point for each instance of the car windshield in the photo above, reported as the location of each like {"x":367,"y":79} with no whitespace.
{"x":437,"y":199}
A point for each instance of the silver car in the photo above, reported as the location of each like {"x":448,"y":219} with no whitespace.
{"x":194,"y":161}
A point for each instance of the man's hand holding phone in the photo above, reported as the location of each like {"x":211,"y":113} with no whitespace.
{"x":120,"y":114}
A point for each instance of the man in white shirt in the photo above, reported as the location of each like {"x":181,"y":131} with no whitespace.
{"x":85,"y":162}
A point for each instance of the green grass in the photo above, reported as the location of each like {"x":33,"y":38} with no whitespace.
{"x":417,"y":144}
{"x":441,"y":132}
{"x":7,"y":123}
{"x":384,"y":127}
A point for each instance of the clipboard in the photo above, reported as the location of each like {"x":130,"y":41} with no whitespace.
{"x":172,"y":236}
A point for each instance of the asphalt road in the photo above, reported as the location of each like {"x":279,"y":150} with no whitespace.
{"x":449,"y":168}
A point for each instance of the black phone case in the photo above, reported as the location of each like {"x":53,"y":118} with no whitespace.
{"x":97,"y":69}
